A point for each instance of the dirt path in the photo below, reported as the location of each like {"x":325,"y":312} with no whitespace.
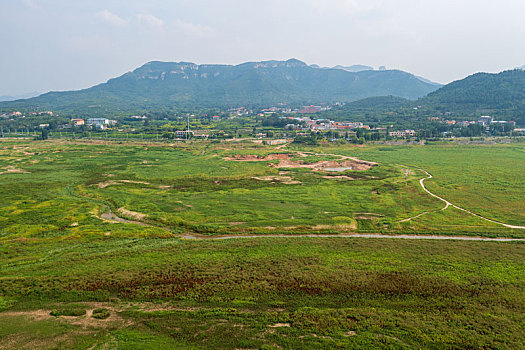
{"x":190,"y":236}
{"x":357,"y":235}
{"x":283,"y":145}
{"x":448,"y":204}
{"x":114,"y":218}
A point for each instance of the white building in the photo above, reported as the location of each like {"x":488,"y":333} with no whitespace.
{"x":402,"y":134}
{"x":100,"y":123}
{"x":183,"y":134}
{"x":485,"y":120}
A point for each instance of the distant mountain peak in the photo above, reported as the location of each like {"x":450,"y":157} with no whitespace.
{"x":354,"y":68}
{"x":293,"y":62}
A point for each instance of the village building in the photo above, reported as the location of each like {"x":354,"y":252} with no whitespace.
{"x":183,"y":134}
{"x":100,"y":123}
{"x":485,"y":120}
{"x":402,"y":134}
{"x":77,"y":122}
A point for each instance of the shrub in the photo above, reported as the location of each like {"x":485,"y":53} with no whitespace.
{"x":69,"y":311}
{"x":100,"y":314}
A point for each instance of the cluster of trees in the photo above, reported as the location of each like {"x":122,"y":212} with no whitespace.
{"x":276,"y":121}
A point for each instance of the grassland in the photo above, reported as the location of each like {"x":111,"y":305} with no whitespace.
{"x":72,"y":278}
{"x":269,"y":293}
{"x":62,"y":189}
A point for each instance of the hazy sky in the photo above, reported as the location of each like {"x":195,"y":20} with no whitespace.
{"x":71,"y":44}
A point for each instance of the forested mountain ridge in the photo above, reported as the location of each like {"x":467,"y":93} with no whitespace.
{"x":500,"y":95}
{"x":161,"y":84}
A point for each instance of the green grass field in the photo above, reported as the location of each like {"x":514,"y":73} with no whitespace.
{"x":62,"y":189}
{"x":270,"y":293}
{"x":72,"y":277}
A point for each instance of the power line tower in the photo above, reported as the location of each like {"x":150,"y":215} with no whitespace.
{"x":188,"y":131}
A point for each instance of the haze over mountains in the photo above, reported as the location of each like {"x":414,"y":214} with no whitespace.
{"x":158,"y":84}
{"x":18,"y":97}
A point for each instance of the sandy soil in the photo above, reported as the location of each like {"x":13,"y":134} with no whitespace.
{"x":255,"y":158}
{"x":285,"y":161}
{"x":134,"y":182}
{"x":133,"y":214}
{"x":107,"y":184}
{"x":326,"y":164}
{"x":120,"y":182}
{"x":338,"y":177}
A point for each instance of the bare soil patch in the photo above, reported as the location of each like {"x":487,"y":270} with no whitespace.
{"x":120,"y":182}
{"x":84,"y":321}
{"x":343,"y":228}
{"x":338,"y":177}
{"x":107,"y":184}
{"x":367,"y":216}
{"x":133,"y":214}
{"x":351,"y":164}
{"x":236,"y":223}
{"x":408,"y":172}
{"x":279,"y":325}
{"x":134,"y":182}
{"x":256,"y":158}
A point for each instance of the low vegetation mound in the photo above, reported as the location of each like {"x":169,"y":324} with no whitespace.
{"x":69,"y":311}
{"x":101,"y":314}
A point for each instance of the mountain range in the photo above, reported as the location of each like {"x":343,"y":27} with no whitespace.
{"x":185,"y":85}
{"x":168,"y":85}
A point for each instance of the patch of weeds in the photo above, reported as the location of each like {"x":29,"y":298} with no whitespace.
{"x":69,"y":311}
{"x":101,"y":314}
{"x":5,"y":303}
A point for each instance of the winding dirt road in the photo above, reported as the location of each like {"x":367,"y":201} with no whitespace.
{"x":422,"y":183}
{"x":448,"y":204}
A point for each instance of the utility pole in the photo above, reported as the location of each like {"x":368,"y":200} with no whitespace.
{"x":188,"y":132}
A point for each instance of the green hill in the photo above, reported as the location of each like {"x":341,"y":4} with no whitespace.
{"x":500,"y":95}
